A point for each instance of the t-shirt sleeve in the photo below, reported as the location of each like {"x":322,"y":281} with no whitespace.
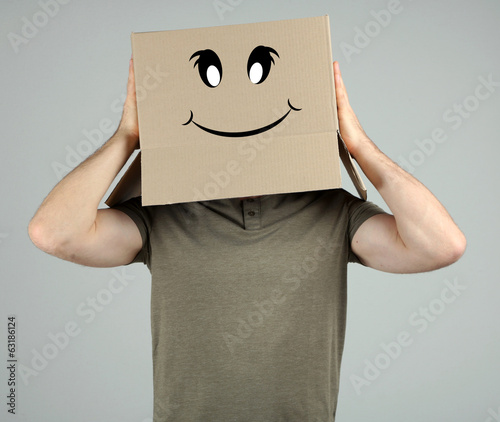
{"x":359,"y":211}
{"x":142,"y":218}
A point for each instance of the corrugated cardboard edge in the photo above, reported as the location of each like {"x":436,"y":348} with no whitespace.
{"x":344,"y":153}
{"x":349,"y":165}
{"x":129,"y":185}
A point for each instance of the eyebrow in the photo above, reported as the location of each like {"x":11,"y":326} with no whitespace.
{"x":200,"y":53}
{"x":270,"y":50}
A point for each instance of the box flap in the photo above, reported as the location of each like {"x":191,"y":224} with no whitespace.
{"x":351,"y":168}
{"x":129,"y":185}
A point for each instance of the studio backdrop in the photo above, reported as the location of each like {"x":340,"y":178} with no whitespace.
{"x":424,"y":80}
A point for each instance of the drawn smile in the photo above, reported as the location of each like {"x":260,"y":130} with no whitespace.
{"x":246,"y":133}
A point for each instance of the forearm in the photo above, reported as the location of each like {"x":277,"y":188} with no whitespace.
{"x":423,"y":224}
{"x":70,"y":209}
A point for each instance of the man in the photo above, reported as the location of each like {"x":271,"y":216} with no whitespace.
{"x":248,"y":294}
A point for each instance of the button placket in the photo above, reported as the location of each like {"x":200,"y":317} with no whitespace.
{"x":252,"y":213}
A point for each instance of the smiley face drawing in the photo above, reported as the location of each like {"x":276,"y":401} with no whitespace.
{"x":259,"y":66}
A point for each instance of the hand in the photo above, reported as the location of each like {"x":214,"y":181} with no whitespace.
{"x":129,"y":124}
{"x":350,"y":128}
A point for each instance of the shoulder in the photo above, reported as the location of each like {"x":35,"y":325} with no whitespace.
{"x":343,"y":200}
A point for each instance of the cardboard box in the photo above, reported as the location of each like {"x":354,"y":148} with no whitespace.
{"x":235,"y":111}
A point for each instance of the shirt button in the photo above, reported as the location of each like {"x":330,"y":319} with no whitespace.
{"x":251,"y":213}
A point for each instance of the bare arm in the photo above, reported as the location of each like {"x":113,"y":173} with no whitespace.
{"x":68,"y":223}
{"x":420,"y":235}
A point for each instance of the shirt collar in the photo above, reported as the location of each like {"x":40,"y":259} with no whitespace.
{"x":258,"y":213}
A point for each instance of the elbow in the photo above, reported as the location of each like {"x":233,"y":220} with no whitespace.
{"x":53,"y":241}
{"x":458,"y":248}
{"x":452,"y":251}
{"x":43,"y":237}
{"x":38,"y":236}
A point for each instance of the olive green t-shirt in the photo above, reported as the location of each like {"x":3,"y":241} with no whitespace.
{"x":248,"y":304}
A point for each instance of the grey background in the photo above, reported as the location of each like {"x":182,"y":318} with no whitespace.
{"x":71,"y":75}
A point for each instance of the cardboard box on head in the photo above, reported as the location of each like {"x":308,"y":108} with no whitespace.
{"x":235,"y":111}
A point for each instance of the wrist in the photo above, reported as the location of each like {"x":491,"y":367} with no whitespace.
{"x":361,"y":146}
{"x":127,"y":136}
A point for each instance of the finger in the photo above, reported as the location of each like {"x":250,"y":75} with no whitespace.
{"x":131,"y":79}
{"x":342,"y":97}
{"x":343,"y":91}
{"x":336,"y":72}
{"x":338,"y":80}
{"x":131,"y":67}
{"x":339,"y":86}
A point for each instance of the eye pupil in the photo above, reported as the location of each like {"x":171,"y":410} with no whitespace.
{"x":213,"y":75}
{"x":256,"y":72}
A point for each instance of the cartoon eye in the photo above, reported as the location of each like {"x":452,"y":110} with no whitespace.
{"x":209,"y":66}
{"x":259,"y":63}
